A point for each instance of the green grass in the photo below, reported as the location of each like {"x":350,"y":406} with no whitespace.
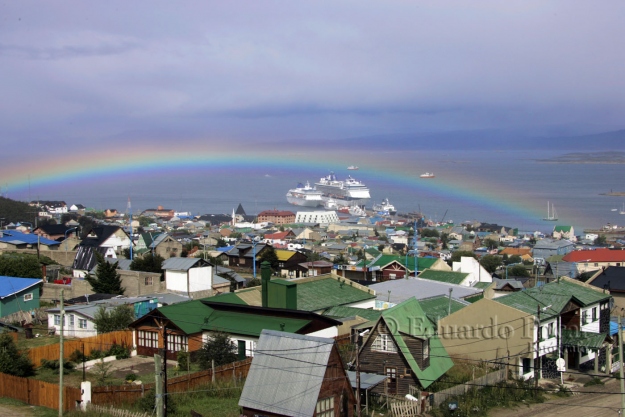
{"x":35,"y":411}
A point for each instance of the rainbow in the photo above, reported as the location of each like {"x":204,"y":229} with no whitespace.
{"x":384,"y":169}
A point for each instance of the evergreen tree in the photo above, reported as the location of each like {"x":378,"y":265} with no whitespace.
{"x":269,"y":255}
{"x":112,"y":320}
{"x":12,"y":360}
{"x":219,"y":348}
{"x":148,"y":263}
{"x":106,"y":280}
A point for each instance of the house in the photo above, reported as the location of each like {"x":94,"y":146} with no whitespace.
{"x":316,"y":217}
{"x":403,"y":346}
{"x":54,"y":231}
{"x":278,"y":217}
{"x":80,"y":318}
{"x":564,"y":232}
{"x":86,"y":258}
{"x":18,"y":294}
{"x":315,"y":294}
{"x":192,"y":277}
{"x":565,"y":314}
{"x":280,"y":238}
{"x":391,"y":293}
{"x":314,"y":268}
{"x":106,"y":236}
{"x":319,"y":387}
{"x":188,"y":325}
{"x":611,"y":279}
{"x":161,"y":244}
{"x":289,"y":263}
{"x":524,"y":253}
{"x":591,"y":260}
{"x":245,"y":255}
{"x":12,"y":239}
{"x":388,"y":267}
{"x":471,"y":266}
{"x":545,"y":248}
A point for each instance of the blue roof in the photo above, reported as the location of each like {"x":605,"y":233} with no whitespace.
{"x":13,"y":236}
{"x":13,"y":285}
{"x":224,"y":249}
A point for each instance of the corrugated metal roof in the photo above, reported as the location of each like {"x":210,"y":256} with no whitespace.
{"x":451,"y":277}
{"x":13,"y":285}
{"x":399,"y":290}
{"x":180,"y":264}
{"x":366,"y":380}
{"x":286,"y":374}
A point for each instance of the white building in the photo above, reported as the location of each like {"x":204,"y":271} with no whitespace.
{"x":317,"y":217}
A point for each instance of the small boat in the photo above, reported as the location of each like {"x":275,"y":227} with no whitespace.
{"x":427,"y":175}
{"x":614,"y":210}
{"x":352,"y":168}
{"x":551,"y":214}
{"x":385,"y":207}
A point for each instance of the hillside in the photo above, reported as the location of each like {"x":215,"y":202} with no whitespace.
{"x":15,"y":211}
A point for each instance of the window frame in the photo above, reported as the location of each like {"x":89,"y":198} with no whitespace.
{"x":82,"y":323}
{"x":28,"y":296}
{"x":383,"y":342}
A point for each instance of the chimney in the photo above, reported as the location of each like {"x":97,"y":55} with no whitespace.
{"x":265,"y":276}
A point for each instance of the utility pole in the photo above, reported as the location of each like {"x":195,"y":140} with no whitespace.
{"x":61,"y":358}
{"x":620,"y":355}
{"x":158,"y":385}
{"x":537,"y":362}
{"x":358,"y":375}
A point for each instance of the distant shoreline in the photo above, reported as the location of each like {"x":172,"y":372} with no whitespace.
{"x":614,"y":194}
{"x":587,"y":158}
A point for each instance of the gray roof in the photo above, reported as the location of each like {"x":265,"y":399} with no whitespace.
{"x":183,"y":264}
{"x":500,"y":283}
{"x":403,"y":289}
{"x":366,"y":380}
{"x":219,"y":280}
{"x":167,"y":298}
{"x":286,"y":373}
{"x":220,"y":270}
{"x":122,"y":263}
{"x":552,"y":244}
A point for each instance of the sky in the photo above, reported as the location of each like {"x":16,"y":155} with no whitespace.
{"x":156,"y":71}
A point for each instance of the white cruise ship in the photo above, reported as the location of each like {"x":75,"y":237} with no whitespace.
{"x":305,"y":196}
{"x":349,"y":192}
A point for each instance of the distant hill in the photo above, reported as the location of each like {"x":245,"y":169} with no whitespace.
{"x":12,"y":211}
{"x":486,"y":139}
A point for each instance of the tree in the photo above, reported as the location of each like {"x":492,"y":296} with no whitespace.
{"x":429,"y":233}
{"x":490,"y":243}
{"x":117,"y":318}
{"x":455,"y":257}
{"x":106,"y":280}
{"x":490,"y":263}
{"x":381,"y":248}
{"x":22,"y":265}
{"x":219,"y":348}
{"x":444,"y":240}
{"x":313,"y":256}
{"x":340,"y":259}
{"x":518,"y":271}
{"x":269,"y":255}
{"x":221,"y":243}
{"x":600,"y":241}
{"x":514,"y":259}
{"x":12,"y":360}
{"x":150,"y":262}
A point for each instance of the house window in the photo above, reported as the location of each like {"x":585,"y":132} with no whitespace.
{"x":28,"y":297}
{"x":550,"y":332}
{"x":71,"y":320}
{"x":177,"y":343}
{"x":147,"y":339}
{"x":57,"y":319}
{"x":149,"y":280}
{"x":82,"y":323}
{"x":527,"y":365}
{"x":594,"y":314}
{"x":325,"y":407}
{"x":540,"y":333}
{"x":426,"y":349}
{"x":384,"y":343}
{"x":585,"y":317}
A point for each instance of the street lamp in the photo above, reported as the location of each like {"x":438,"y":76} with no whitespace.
{"x":254,"y":243}
{"x":71,"y":228}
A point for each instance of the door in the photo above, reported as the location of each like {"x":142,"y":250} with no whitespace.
{"x":391,"y":384}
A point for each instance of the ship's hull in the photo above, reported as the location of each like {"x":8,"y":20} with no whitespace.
{"x":304,"y":201}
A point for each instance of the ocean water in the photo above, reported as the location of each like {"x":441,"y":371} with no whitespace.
{"x":510,"y":188}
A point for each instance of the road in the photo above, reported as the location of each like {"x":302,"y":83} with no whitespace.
{"x":596,"y":401}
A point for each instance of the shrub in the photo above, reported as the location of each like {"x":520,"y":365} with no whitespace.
{"x":119,"y":351}
{"x":130,"y":377}
{"x":594,"y":381}
{"x":147,"y":403}
{"x":183,"y":360}
{"x":76,"y":356}
{"x":97,"y":354}
{"x":54,"y":365}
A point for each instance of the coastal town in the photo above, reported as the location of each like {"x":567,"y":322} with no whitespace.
{"x":391,"y":313}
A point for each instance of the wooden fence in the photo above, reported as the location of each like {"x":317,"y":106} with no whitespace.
{"x":101,"y":342}
{"x":115,"y":412}
{"x":123,"y":394}
{"x":35,"y":392}
{"x":488,"y":379}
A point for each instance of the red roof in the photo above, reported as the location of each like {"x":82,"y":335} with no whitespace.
{"x":278,"y":213}
{"x":596,"y":255}
{"x":279,"y":235}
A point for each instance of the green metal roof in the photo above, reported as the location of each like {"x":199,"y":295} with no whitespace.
{"x":574,"y":338}
{"x":482,"y":285}
{"x":227,"y":297}
{"x":408,"y":319}
{"x":562,"y":229}
{"x":552,"y":297}
{"x":383,"y":260}
{"x":188,"y":316}
{"x":340,"y":312}
{"x":439,"y":307}
{"x":325,"y":293}
{"x":450,"y":277}
{"x":250,"y":324}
